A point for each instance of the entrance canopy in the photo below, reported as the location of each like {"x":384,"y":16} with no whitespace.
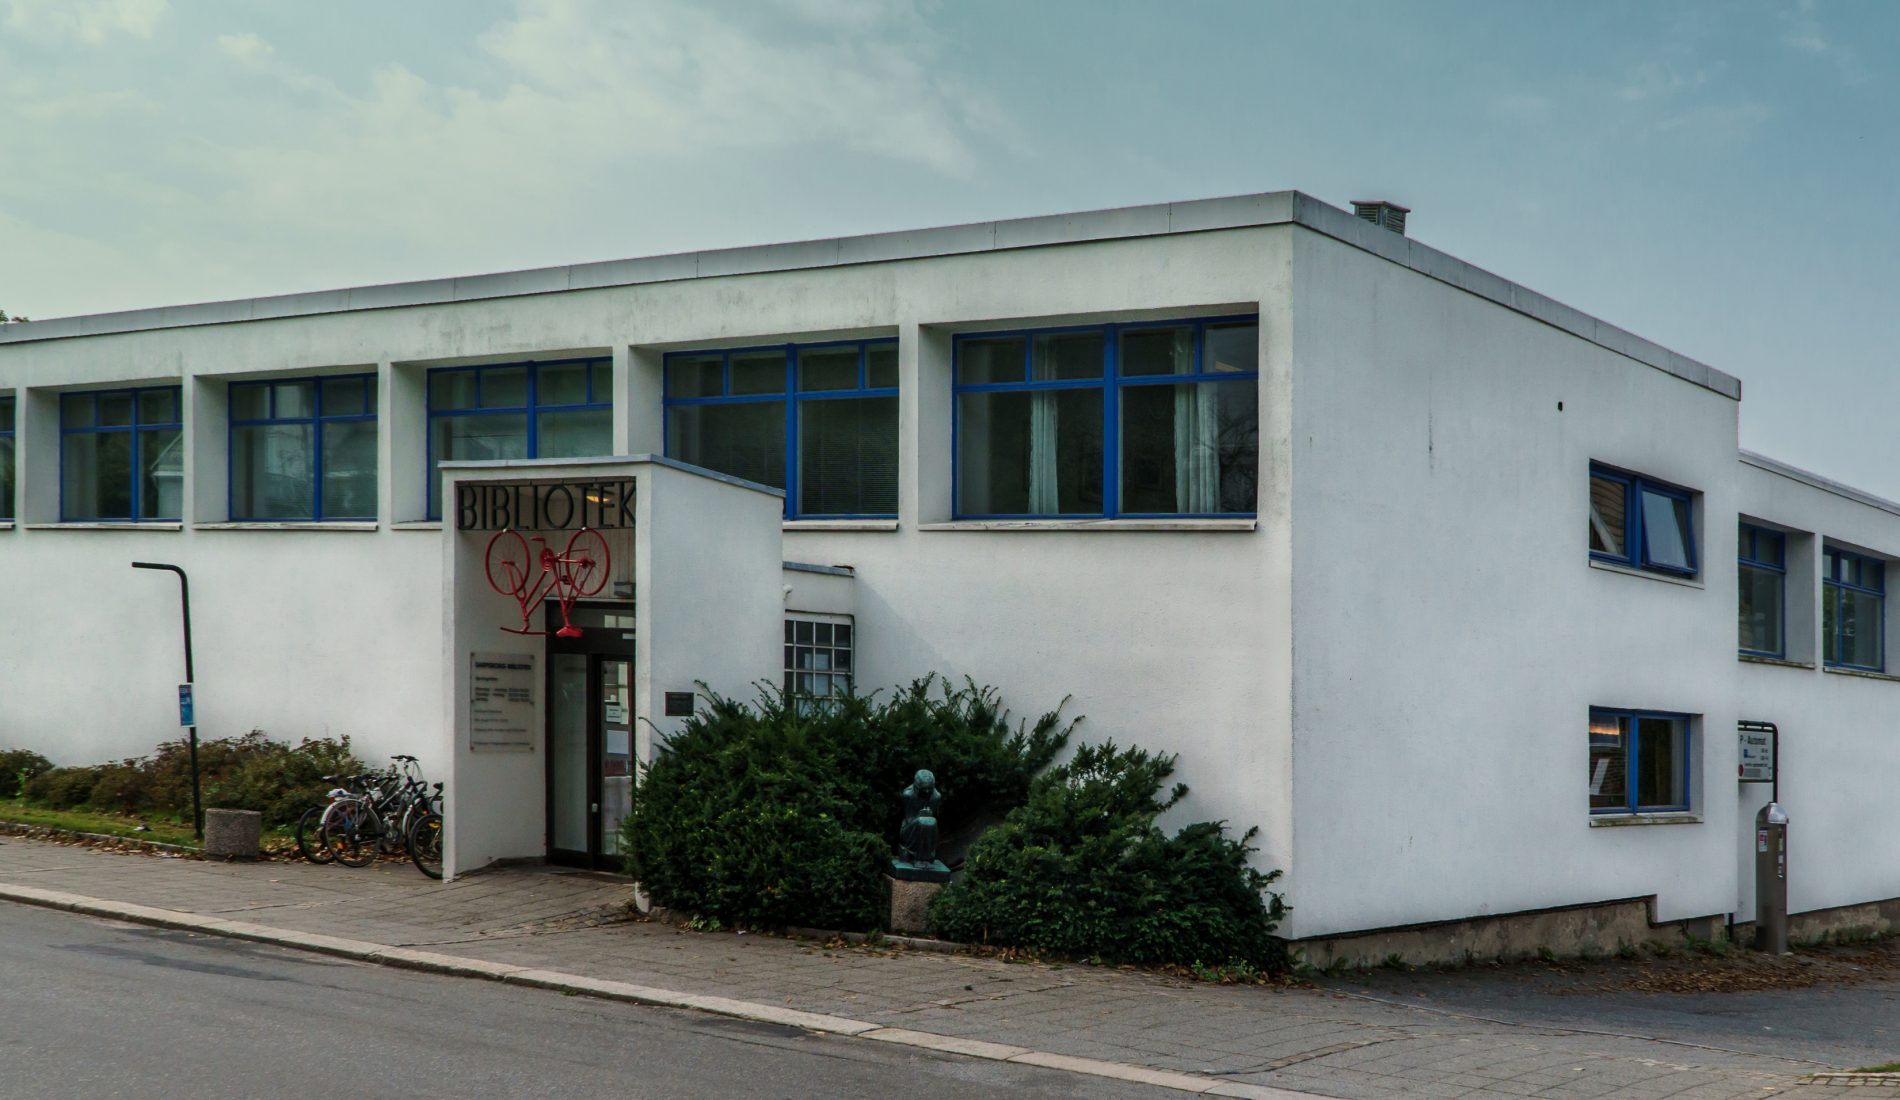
{"x":678,"y":569}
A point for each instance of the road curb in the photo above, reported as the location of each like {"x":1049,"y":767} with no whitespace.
{"x":435,"y":962}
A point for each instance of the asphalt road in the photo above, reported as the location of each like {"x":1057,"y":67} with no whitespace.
{"x":98,"y":1009}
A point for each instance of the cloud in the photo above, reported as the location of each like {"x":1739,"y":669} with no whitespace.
{"x":92,"y":22}
{"x":246,"y":49}
{"x":581,"y":89}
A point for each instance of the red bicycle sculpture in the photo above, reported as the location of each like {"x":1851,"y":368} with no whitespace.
{"x":529,"y":570}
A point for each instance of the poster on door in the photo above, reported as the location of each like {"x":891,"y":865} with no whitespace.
{"x":501,"y":702}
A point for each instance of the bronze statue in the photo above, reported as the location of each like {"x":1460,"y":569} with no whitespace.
{"x":917,"y":837}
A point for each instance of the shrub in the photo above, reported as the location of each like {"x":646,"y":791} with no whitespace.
{"x":780,"y":813}
{"x":62,"y":788}
{"x":1082,"y":870}
{"x":16,"y":767}
{"x":277,"y":780}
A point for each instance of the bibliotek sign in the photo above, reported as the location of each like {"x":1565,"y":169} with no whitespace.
{"x":566,"y":506}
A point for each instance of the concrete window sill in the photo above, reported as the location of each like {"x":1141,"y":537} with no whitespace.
{"x":1778,"y":662}
{"x":1666,"y":578}
{"x":126,"y":526}
{"x":1611,"y":821}
{"x":319,"y":525}
{"x":1862,"y":674}
{"x":840,"y":525}
{"x":417,"y":525}
{"x":1235,"y":524}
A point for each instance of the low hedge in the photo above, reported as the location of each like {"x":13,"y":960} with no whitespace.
{"x":1082,"y":870}
{"x":782,"y":812}
{"x":251,"y":772}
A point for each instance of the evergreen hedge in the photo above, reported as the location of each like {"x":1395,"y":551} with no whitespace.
{"x":782,"y":812}
{"x":1082,"y":870}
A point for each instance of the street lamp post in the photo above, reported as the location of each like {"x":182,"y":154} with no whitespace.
{"x":184,"y":602}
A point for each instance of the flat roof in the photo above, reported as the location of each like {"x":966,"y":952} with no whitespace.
{"x":1161,"y":219}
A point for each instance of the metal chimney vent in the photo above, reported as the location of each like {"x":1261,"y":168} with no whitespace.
{"x":1380,"y":212}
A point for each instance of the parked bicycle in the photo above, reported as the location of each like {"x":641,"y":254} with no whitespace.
{"x":396,"y":812}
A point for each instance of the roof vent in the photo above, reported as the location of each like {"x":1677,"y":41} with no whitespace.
{"x":1380,"y":212}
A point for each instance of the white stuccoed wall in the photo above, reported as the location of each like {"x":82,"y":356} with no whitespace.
{"x":1450,"y":634}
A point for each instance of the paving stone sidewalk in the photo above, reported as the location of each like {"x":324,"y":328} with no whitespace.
{"x":1317,"y":1041}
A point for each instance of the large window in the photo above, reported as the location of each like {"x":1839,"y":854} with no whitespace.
{"x":1762,"y":569}
{"x":1114,"y":420}
{"x":1639,"y":761}
{"x":121,"y":455}
{"x":560,"y":409}
{"x":304,"y":449}
{"x":1641,"y":523}
{"x":817,"y":659}
{"x":1853,"y":609}
{"x":818,"y":420}
{"x":6,"y":458}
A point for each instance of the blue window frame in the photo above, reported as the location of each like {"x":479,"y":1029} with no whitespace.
{"x":1157,"y":419}
{"x":6,"y":458}
{"x":817,"y":420}
{"x":121,"y":455}
{"x":1761,"y":560}
{"x":1853,"y":610}
{"x":1639,"y":761}
{"x":559,"y":408}
{"x":303,"y":448}
{"x":1642,"y":523}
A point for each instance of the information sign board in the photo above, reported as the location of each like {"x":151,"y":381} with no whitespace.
{"x":501,"y":690}
{"x":187,"y":713}
{"x":1758,"y":755}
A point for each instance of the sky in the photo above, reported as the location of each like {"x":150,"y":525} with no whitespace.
{"x":1707,"y":175}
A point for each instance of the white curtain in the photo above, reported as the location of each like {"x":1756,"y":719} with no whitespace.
{"x":1196,"y":449}
{"x":1043,"y":498}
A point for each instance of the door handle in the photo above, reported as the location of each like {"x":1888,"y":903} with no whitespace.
{"x":593,"y":807}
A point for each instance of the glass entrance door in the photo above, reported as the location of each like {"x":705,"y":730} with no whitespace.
{"x":590,"y":738}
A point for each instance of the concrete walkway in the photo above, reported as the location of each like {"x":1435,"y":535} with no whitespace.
{"x":571,"y":931}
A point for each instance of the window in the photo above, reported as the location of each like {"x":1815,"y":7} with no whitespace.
{"x":121,"y":455}
{"x":1115,"y":420}
{"x":1762,"y":566}
{"x":818,"y":420}
{"x":1641,"y":523}
{"x":304,"y":449}
{"x":1853,"y":606}
{"x":558,"y":409}
{"x":6,"y":458}
{"x":1639,"y":761}
{"x":817,"y":660}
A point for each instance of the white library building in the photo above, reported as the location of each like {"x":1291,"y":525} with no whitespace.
{"x":1431,"y":578}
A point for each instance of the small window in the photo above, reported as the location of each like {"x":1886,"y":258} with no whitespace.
{"x":1641,"y":523}
{"x":1853,"y":610}
{"x":6,"y":458}
{"x":560,"y":409}
{"x":1762,"y":572}
{"x":1639,"y":761}
{"x":121,"y":455}
{"x":818,"y":420}
{"x":818,"y":663}
{"x":304,"y":449}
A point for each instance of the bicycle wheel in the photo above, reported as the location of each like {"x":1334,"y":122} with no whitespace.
{"x":588,"y":560}
{"x":349,"y":834}
{"x":425,"y":844}
{"x":309,"y":841}
{"x":508,"y":562}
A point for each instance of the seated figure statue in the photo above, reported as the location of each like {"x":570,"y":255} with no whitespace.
{"x":917,"y":839}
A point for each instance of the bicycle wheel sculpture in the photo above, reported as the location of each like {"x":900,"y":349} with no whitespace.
{"x":527,"y":569}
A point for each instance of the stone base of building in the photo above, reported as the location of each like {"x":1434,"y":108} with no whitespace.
{"x":1568,"y":932}
{"x":1578,"y":931}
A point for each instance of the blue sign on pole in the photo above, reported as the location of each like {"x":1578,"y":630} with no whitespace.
{"x":185,"y":716}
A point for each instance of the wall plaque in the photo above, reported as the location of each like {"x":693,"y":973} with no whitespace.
{"x":501,"y":689}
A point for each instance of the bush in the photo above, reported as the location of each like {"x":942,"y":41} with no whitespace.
{"x":16,"y":767}
{"x":251,"y":772}
{"x":782,"y":814}
{"x":62,"y":788}
{"x":1082,"y":870}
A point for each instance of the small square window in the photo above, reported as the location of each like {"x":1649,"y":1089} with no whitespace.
{"x":1639,"y":761}
{"x":1641,"y":523}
